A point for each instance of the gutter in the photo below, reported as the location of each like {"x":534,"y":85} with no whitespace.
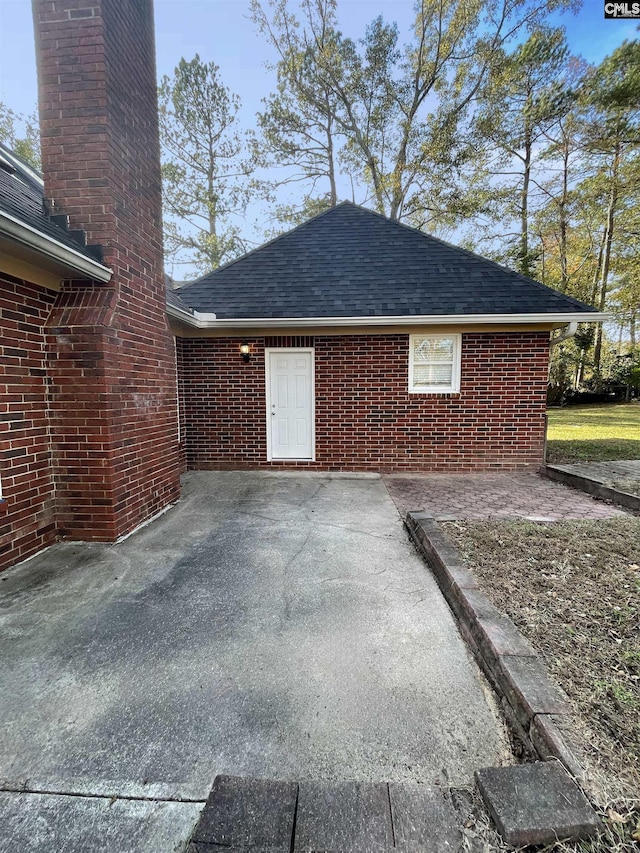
{"x":210,"y":321}
{"x":28,"y":236}
{"x":569,"y":332}
{"x":195,"y":318}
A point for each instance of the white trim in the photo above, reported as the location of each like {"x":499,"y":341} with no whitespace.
{"x":267,"y":397}
{"x":405,"y":320}
{"x":199,"y":319}
{"x":49,"y":246}
{"x":181,"y":314}
{"x":569,"y":332}
{"x":454,"y":387}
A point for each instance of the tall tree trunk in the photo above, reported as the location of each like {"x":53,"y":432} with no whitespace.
{"x":606,"y":258}
{"x":525,"y":261}
{"x":597,"y":271}
{"x":564,"y":265}
{"x":214,"y":250}
{"x":333,"y":192}
{"x":592,"y":299}
{"x":580,"y":370}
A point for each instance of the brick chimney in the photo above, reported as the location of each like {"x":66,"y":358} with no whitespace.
{"x":112,"y":361}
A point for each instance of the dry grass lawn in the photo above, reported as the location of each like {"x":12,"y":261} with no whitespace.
{"x":573,"y":588}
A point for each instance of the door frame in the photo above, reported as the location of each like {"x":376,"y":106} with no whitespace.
{"x":268,"y":351}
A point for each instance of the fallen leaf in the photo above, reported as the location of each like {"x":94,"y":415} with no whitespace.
{"x":615,"y":817}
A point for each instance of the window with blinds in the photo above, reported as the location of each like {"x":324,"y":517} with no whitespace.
{"x":434,"y":364}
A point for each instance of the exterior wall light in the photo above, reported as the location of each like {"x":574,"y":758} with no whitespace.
{"x":245,"y":351}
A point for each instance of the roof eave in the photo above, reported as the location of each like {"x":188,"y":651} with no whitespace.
{"x":43,"y":244}
{"x":202,"y":321}
{"x":193,"y":318}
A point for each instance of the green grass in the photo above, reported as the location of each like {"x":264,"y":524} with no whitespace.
{"x":597,"y":433}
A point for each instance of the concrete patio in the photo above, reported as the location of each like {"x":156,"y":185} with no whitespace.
{"x":268,"y":625}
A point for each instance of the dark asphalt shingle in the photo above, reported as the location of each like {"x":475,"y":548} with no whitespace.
{"x":351,"y":262}
{"x":173,"y":298}
{"x":22,"y":196}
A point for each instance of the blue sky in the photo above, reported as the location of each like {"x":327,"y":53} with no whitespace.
{"x":221,"y":31}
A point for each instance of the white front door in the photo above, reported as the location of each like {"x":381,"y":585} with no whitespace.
{"x":290,"y":404}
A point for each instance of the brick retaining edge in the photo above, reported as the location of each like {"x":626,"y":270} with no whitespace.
{"x":592,"y":487}
{"x":535,"y":707}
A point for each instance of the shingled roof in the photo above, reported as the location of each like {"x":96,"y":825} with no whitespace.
{"x":175,"y":301}
{"x":351,"y":262}
{"x":22,"y":206}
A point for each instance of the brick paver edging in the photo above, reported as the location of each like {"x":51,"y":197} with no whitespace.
{"x":274,"y":816}
{"x":534,"y":705}
{"x":560,"y":474}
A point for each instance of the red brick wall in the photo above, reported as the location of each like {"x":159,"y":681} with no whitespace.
{"x":365,"y":418}
{"x":27,"y":511}
{"x":113,"y":392}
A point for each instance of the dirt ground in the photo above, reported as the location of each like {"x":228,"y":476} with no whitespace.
{"x":573,"y":588}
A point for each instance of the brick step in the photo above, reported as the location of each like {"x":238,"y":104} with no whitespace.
{"x":244,"y":814}
{"x":530,"y":804}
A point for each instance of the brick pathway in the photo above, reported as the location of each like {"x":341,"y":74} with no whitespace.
{"x":480,"y":496}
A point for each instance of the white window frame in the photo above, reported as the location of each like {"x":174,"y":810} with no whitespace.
{"x":454,"y":387}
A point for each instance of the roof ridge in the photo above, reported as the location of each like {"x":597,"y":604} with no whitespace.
{"x":410,"y":228}
{"x":268,"y":243}
{"x":355,"y":264}
{"x":525,"y":278}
